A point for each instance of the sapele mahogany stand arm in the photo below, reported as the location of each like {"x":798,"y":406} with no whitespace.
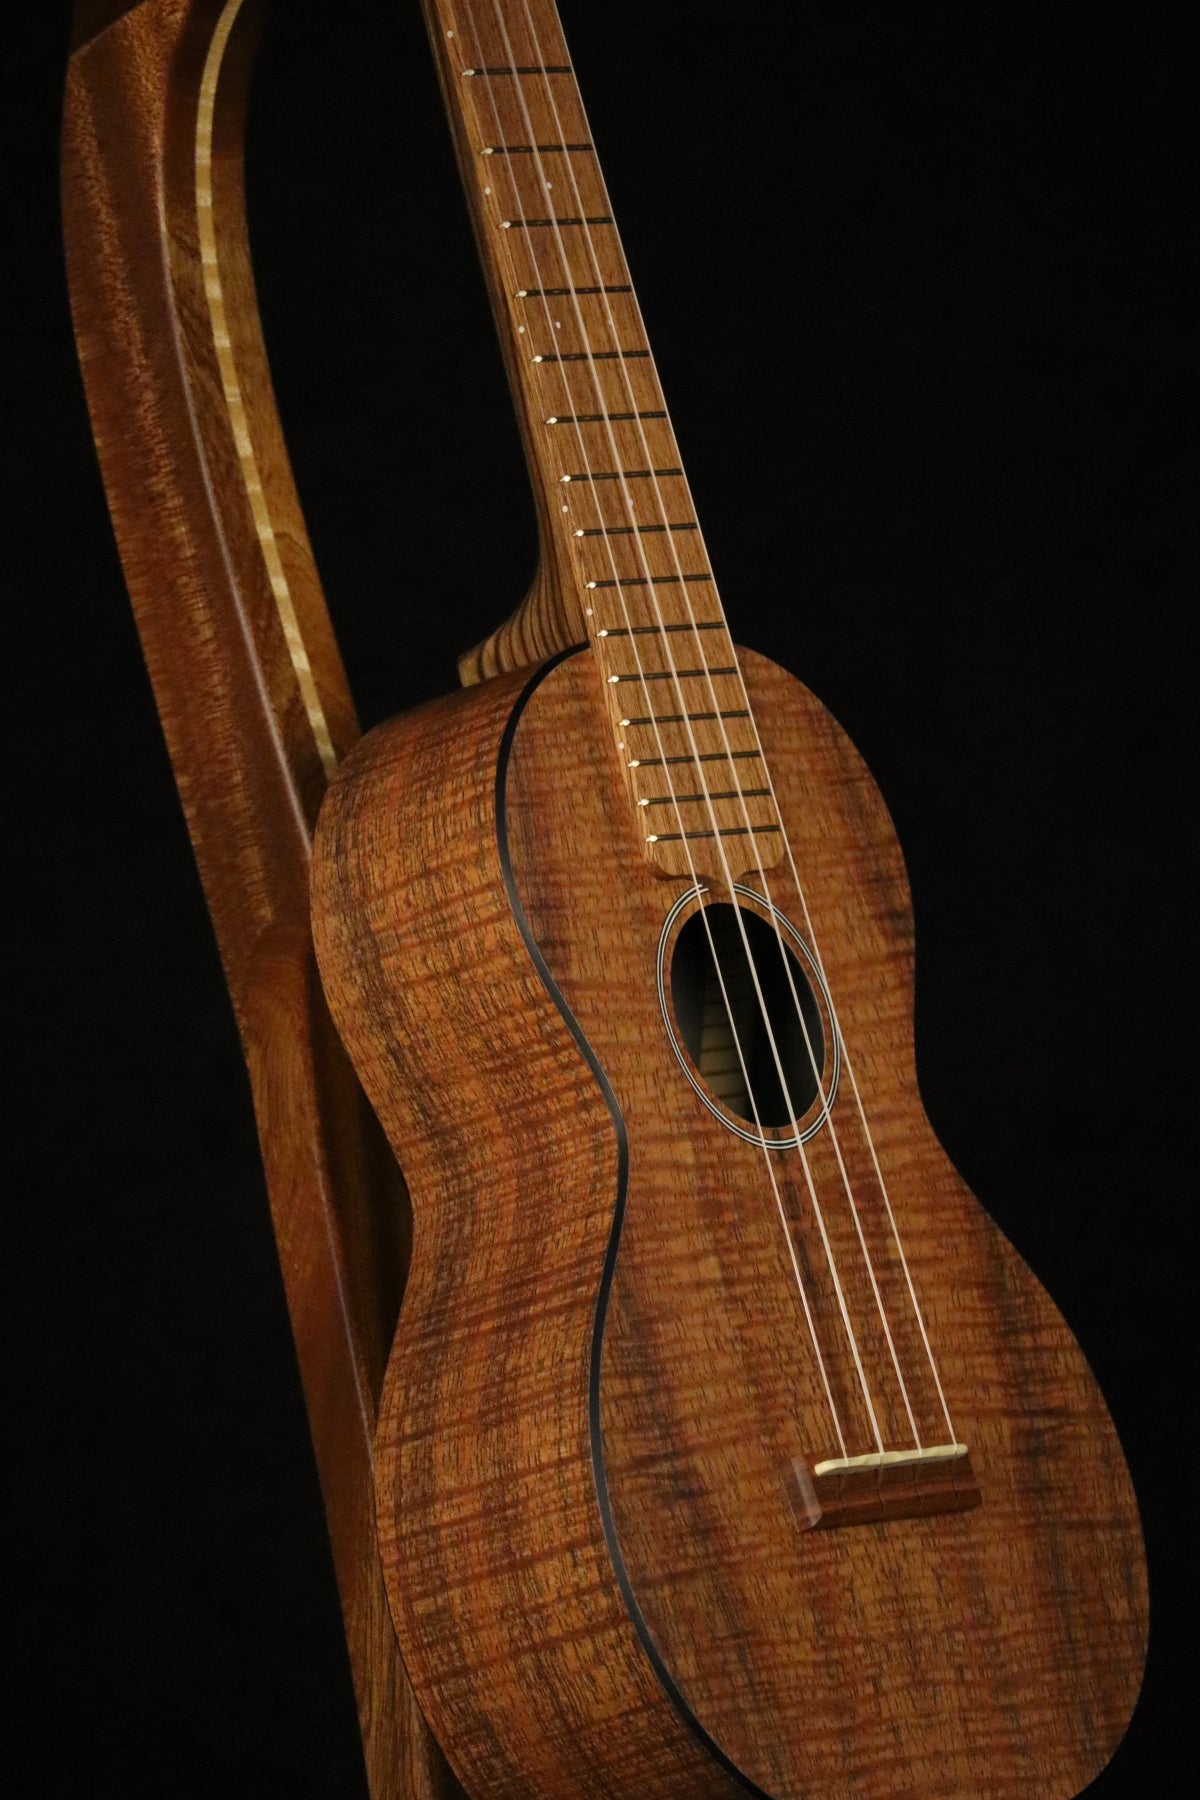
{"x":255,"y":708}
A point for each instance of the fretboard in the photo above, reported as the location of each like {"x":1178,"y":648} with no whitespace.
{"x":612,"y":494}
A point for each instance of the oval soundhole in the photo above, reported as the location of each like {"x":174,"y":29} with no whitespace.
{"x":770,"y":1032}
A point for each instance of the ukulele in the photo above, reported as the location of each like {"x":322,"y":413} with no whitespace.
{"x":726,"y":1445}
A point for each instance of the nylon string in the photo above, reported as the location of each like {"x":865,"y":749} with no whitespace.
{"x":847,"y":1323}
{"x":582,"y":448}
{"x":740,"y":796}
{"x":639,"y":547}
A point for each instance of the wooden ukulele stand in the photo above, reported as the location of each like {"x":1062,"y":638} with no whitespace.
{"x":255,"y":708}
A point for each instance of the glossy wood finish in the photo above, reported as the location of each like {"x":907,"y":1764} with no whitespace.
{"x":602,"y":1378}
{"x":255,"y":709}
{"x":847,"y":1491}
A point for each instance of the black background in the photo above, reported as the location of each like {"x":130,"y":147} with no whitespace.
{"x":914,"y":278}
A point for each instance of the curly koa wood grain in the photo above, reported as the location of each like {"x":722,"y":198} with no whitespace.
{"x":255,"y":708}
{"x":601,"y":1380}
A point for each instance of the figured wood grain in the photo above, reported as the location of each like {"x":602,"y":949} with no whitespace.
{"x":212,"y":540}
{"x":557,"y":1513}
{"x":505,"y":1266}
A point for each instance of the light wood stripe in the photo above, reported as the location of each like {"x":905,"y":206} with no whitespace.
{"x":233,"y":393}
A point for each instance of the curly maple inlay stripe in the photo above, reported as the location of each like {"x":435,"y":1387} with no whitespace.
{"x":215,"y":295}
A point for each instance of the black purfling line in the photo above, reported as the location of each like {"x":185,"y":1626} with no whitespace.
{"x":595,"y":1431}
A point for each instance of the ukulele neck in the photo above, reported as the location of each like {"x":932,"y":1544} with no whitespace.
{"x":626,"y":561}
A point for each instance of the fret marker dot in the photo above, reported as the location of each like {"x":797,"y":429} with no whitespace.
{"x":602,"y":634}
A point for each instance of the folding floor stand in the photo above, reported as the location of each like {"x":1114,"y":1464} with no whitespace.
{"x":255,"y":707}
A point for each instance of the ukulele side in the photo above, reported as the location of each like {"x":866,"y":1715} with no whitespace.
{"x":514,"y":1634}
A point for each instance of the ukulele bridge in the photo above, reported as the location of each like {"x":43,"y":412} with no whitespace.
{"x":889,"y":1484}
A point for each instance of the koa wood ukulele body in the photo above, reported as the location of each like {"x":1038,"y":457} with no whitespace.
{"x":726,"y":1446}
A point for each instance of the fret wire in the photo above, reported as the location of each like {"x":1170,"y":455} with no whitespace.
{"x":678,"y":718}
{"x":541,"y":149}
{"x":670,"y":675}
{"x":716,"y":794}
{"x":656,"y":762}
{"x":561,"y":292}
{"x":723,"y":831}
{"x":620,"y":475}
{"x":658,"y":630}
{"x":626,"y":530}
{"x":531,"y":69}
